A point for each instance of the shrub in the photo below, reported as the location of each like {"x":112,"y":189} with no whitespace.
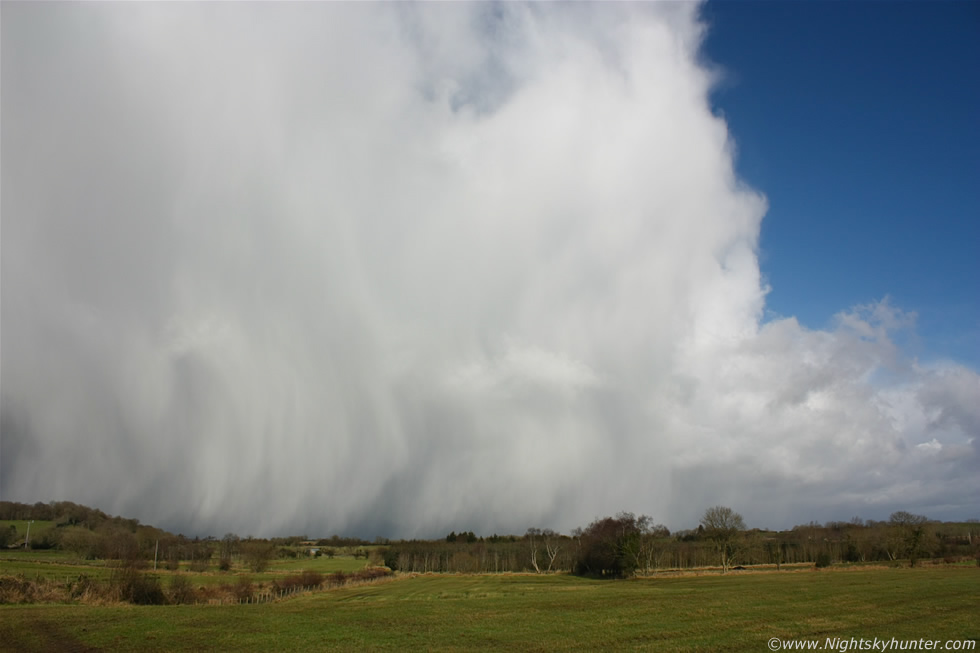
{"x":79,"y":541}
{"x":823,"y":560}
{"x":852,"y":554}
{"x":8,"y":536}
{"x":15,"y":590}
{"x":40,"y":590}
{"x":312,"y":579}
{"x":391,"y":559}
{"x":45,"y":540}
{"x":83,"y":586}
{"x":305,"y":579}
{"x":181,"y":590}
{"x":243,"y":589}
{"x":370,"y":573}
{"x":138,"y":588}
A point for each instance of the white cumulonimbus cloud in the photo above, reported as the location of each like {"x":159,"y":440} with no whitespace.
{"x":395,"y":269}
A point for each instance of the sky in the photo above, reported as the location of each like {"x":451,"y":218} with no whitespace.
{"x":400,"y":269}
{"x":858,"y":120}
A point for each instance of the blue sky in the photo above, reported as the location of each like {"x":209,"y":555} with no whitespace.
{"x":859,"y":122}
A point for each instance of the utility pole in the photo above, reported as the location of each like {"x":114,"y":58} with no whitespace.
{"x":155,"y":551}
{"x":27,"y":539}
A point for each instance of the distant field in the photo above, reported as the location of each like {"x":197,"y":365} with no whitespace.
{"x":737,"y":612}
{"x":62,"y":566}
{"x":322,"y":564}
{"x":37,"y":527}
{"x":49,"y":565}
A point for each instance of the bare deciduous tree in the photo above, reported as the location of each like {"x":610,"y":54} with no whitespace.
{"x":531,"y":534}
{"x":724,"y":526}
{"x":258,"y":554}
{"x":551,"y":546}
{"x":910,"y":530}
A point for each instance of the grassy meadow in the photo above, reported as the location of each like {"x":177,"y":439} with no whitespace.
{"x":738,"y":611}
{"x":37,"y":527}
{"x":63,"y":566}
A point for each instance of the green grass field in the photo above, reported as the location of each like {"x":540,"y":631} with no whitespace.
{"x":525,"y":612}
{"x":38,"y":527}
{"x":322,"y":564}
{"x":62,"y":566}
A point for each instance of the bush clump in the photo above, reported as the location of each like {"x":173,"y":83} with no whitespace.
{"x":304,"y":579}
{"x":139,"y":588}
{"x":181,"y":590}
{"x":243,"y":588}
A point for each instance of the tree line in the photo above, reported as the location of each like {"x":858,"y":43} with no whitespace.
{"x":617,"y":546}
{"x":627,"y":544}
